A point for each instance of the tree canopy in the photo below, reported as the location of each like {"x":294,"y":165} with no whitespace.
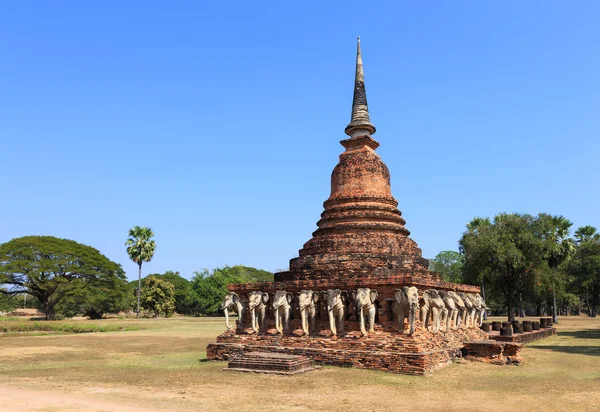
{"x":52,"y":269}
{"x":158,"y":296}
{"x":209,"y":288}
{"x":449,"y":264}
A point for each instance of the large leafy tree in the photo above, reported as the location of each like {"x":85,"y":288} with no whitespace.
{"x":158,"y":296}
{"x":140,"y":248}
{"x":52,"y":269}
{"x":504,"y":253}
{"x":109,"y":295}
{"x":585,"y":267}
{"x":557,"y":247}
{"x":449,"y":264}
{"x":209,"y":287}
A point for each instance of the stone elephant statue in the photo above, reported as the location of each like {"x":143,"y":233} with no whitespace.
{"x":233,"y":300}
{"x":365,"y":306}
{"x":307,"y":300}
{"x":451,"y":312}
{"x":257,"y":304}
{"x":460,"y":308}
{"x":433,"y":307}
{"x":469,"y":309}
{"x":480,"y":308}
{"x":282,"y":305}
{"x":406,"y":305}
{"x":336,"y":300}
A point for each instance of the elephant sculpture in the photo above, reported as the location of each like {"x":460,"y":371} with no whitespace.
{"x":460,"y":308}
{"x":434,"y":308}
{"x":281,"y":308}
{"x":257,"y":304}
{"x":469,"y":309}
{"x":233,"y":300}
{"x":336,"y":309}
{"x":480,"y":309}
{"x":307,"y":300}
{"x":406,"y":305}
{"x":451,"y":312}
{"x":365,"y":306}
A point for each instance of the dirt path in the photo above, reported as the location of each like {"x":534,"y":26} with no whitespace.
{"x":16,"y":399}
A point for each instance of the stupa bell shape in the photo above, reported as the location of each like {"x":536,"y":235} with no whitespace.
{"x":361,"y":230}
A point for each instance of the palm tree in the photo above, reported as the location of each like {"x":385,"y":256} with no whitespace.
{"x":140,"y":248}
{"x":558,"y":248}
{"x":586,"y":233}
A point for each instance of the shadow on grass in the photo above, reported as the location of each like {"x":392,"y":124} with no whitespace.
{"x":582,"y":334}
{"x":591,"y":350}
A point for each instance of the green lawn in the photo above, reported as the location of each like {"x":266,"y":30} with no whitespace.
{"x":162,"y":366}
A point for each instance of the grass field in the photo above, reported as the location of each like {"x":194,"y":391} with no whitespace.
{"x":161,"y":366}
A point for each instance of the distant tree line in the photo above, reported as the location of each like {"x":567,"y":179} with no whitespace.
{"x":528,"y":265}
{"x":63,"y":278}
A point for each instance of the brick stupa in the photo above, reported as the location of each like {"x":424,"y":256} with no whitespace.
{"x":361,"y":229}
{"x":361,"y":242}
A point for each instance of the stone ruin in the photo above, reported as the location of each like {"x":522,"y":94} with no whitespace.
{"x":359,"y":294}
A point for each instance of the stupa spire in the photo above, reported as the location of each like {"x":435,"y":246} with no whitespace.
{"x":360,"y":124}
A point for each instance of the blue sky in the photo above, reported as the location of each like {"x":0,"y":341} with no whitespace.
{"x":218,"y":123}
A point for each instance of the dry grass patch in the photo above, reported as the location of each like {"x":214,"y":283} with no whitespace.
{"x":163,"y":368}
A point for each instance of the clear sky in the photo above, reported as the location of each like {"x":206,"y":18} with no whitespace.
{"x":217,"y":123}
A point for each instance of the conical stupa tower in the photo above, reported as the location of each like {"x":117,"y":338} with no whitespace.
{"x":361,"y":230}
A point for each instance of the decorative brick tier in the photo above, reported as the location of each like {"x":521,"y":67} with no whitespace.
{"x":386,"y":286}
{"x":385,"y":350}
{"x":492,"y":351}
{"x":524,"y":337}
{"x":269,"y":362}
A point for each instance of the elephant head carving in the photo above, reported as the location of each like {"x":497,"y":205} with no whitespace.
{"x":460,"y":308}
{"x":480,"y":309}
{"x":433,"y":307}
{"x":282,"y":302}
{"x":257,"y":304}
{"x":406,"y":305}
{"x":336,"y":309}
{"x":449,"y":315}
{"x":469,"y":309}
{"x":307,"y":300}
{"x":365,"y":306}
{"x":233,"y":300}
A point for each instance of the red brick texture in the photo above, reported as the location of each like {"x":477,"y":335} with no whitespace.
{"x":492,"y":351}
{"x":381,"y":350}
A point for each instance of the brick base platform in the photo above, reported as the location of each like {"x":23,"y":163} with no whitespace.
{"x":418,"y":354}
{"x":267,"y":362}
{"x":524,"y":337}
{"x":492,"y":351}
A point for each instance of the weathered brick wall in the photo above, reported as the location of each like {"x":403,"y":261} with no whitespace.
{"x":492,"y":351}
{"x":381,"y":350}
{"x":524,"y":337}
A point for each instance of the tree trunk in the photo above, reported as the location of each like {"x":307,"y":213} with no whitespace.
{"x":554,"y":314}
{"x":139,"y":291}
{"x":510,"y":308}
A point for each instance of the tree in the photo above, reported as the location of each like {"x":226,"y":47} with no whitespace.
{"x":182,"y":289}
{"x":7,"y":302}
{"x":158,"y":296}
{"x":586,"y":233}
{"x":504,"y":254}
{"x":557,"y":247}
{"x":51,"y":269}
{"x":140,"y":249}
{"x":208,"y":288}
{"x":585,"y":267}
{"x":108,"y":295}
{"x":449,"y":264}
